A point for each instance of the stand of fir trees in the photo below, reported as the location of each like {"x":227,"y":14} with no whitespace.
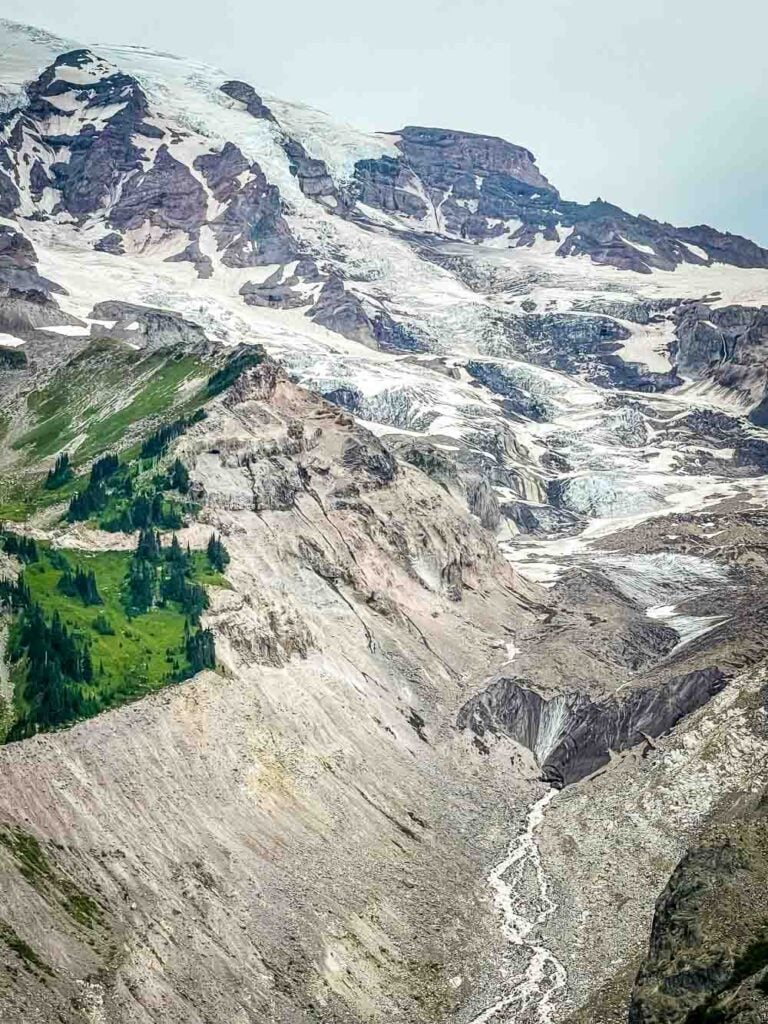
{"x":58,"y":677}
{"x":158,"y":576}
{"x":217,"y":554}
{"x":158,"y":442}
{"x":201,"y":650}
{"x":23,"y":548}
{"x":61,"y":473}
{"x":57,"y":665}
{"x":80,"y":584}
{"x":111,"y":486}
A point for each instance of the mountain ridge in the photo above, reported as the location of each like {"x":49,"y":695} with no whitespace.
{"x":410,"y":491}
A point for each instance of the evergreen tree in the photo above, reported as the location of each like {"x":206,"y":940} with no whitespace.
{"x":24,"y":548}
{"x":174,"y":582}
{"x":85,"y":503}
{"x":194,"y":601}
{"x":102,"y":625}
{"x":140,"y":587}
{"x":174,"y":552}
{"x":158,"y":442}
{"x":141,"y":512}
{"x":149,"y":546}
{"x":104,"y":468}
{"x":59,"y":560}
{"x":178,"y":478}
{"x":61,"y":473}
{"x":80,"y":584}
{"x":201,"y":650}
{"x":217,"y":554}
{"x":57,"y":662}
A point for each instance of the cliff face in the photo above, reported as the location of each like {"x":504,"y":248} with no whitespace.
{"x":485,"y":657}
{"x":276,"y":841}
{"x":708,"y":956}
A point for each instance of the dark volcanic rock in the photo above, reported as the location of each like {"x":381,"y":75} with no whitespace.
{"x":708,"y":957}
{"x":158,"y":328}
{"x":478,"y":187}
{"x":441,"y":156}
{"x":251,"y":231}
{"x":111,"y":243}
{"x":541,"y":520}
{"x":221,"y":171}
{"x":167,"y":196}
{"x":279,"y":291}
{"x":104,"y":152}
{"x":9,"y":195}
{"x":728,"y":345}
{"x":570,"y":734}
{"x":26,"y":298}
{"x":244,"y":93}
{"x":366,"y":454}
{"x":389,"y":185}
{"x":312,"y":174}
{"x":193,"y":254}
{"x":314,"y":179}
{"x":341,"y":311}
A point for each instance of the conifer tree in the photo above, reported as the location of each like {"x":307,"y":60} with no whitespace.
{"x":60,"y":474}
{"x":217,"y":554}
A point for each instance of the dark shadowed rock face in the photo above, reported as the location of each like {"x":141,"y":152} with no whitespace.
{"x":221,"y":171}
{"x":106,"y":148}
{"x":571,"y":735}
{"x":26,"y":298}
{"x":341,"y":311}
{"x":441,"y":155}
{"x":108,"y":165}
{"x":479,"y":187}
{"x":390,"y":185}
{"x":244,"y":93}
{"x":312,"y":174}
{"x":728,"y":345}
{"x":9,"y":195}
{"x":157,"y":328}
{"x":279,"y":291}
{"x":708,"y":957}
{"x":367,"y":455}
{"x":251,"y":231}
{"x":167,"y":196}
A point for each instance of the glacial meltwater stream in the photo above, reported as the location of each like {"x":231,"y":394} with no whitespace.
{"x":534,"y":978}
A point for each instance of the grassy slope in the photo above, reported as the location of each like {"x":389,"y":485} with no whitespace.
{"x":95,"y":403}
{"x":109,"y":397}
{"x":140,"y":656}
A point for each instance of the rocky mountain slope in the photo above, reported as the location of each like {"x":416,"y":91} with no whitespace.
{"x":382,"y":571}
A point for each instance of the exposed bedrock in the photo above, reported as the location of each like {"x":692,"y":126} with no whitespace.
{"x":26,"y":299}
{"x":708,"y":957}
{"x":100,"y":157}
{"x":246,"y":94}
{"x":339,"y":309}
{"x":312,"y":174}
{"x":728,"y":345}
{"x":570,"y":735}
{"x":477,"y":187}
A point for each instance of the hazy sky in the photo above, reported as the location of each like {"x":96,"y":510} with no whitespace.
{"x":657,"y":105}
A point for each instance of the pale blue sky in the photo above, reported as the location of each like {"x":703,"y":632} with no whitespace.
{"x":657,"y":106}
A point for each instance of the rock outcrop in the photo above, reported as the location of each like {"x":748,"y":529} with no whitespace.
{"x":573,"y":736}
{"x":479,"y":187}
{"x":708,"y":956}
